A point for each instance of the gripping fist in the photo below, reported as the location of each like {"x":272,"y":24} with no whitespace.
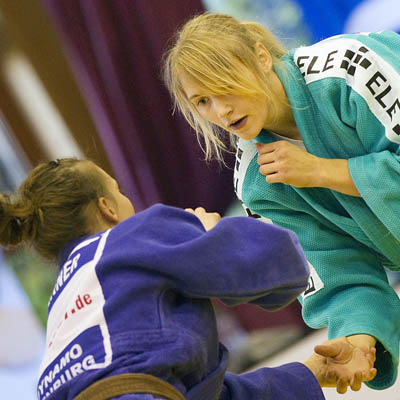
{"x":209,"y":220}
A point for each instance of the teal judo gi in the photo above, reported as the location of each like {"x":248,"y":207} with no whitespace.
{"x":345,"y":97}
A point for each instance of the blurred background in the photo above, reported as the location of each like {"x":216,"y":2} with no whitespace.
{"x":82,"y":78}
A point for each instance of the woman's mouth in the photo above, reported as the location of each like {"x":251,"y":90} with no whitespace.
{"x":239,"y":124}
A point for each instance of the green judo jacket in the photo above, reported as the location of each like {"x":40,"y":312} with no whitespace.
{"x":345,"y":97}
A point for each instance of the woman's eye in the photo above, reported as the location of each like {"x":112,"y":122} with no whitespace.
{"x":201,"y":101}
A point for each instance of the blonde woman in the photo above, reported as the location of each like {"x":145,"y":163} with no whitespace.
{"x":317,"y":133}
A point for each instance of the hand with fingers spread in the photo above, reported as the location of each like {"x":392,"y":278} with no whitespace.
{"x":208,"y":219}
{"x":344,"y":362}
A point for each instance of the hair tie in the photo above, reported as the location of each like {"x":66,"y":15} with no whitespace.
{"x":54,"y":163}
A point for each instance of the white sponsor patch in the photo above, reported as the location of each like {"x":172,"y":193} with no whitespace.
{"x":368,"y":74}
{"x":75,"y":318}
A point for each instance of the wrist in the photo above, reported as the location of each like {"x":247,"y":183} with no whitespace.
{"x":362,"y":340}
{"x":318,"y":369}
{"x":324,"y":172}
{"x":312,"y":367}
{"x":334,"y":174}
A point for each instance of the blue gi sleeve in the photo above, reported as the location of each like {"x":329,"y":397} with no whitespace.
{"x":240,"y":260}
{"x":286,"y":382}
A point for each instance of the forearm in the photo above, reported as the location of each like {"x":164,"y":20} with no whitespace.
{"x":214,"y":263}
{"x":334,"y":174}
{"x":286,"y":382}
{"x":362,"y":340}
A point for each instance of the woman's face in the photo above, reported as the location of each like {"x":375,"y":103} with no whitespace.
{"x":243,"y":116}
{"x":124,"y":206}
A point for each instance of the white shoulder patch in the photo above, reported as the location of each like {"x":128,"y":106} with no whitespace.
{"x":365,"y":71}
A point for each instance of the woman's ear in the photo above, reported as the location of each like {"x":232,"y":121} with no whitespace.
{"x":108,"y":210}
{"x":264,"y":56}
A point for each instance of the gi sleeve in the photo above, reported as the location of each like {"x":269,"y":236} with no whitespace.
{"x":363,"y":106}
{"x":372,"y":107}
{"x":348,"y":292}
{"x":240,"y":260}
{"x":286,"y":382}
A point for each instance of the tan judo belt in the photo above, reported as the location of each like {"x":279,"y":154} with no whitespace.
{"x":129,"y":384}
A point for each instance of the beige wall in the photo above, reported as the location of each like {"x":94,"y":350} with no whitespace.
{"x":25,"y":27}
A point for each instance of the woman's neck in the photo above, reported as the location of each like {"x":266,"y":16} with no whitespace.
{"x":284,"y":123}
{"x":286,"y":128}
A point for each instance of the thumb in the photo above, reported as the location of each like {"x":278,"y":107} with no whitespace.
{"x":328,"y":350}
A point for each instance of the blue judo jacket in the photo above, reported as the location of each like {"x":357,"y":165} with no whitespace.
{"x":137,"y":298}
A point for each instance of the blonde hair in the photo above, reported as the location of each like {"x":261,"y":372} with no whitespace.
{"x":49,"y":208}
{"x":211,"y":48}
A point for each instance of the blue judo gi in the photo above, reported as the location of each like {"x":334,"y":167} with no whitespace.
{"x":136,"y":298}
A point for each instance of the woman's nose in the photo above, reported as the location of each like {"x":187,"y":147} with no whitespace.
{"x":222,"y":107}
